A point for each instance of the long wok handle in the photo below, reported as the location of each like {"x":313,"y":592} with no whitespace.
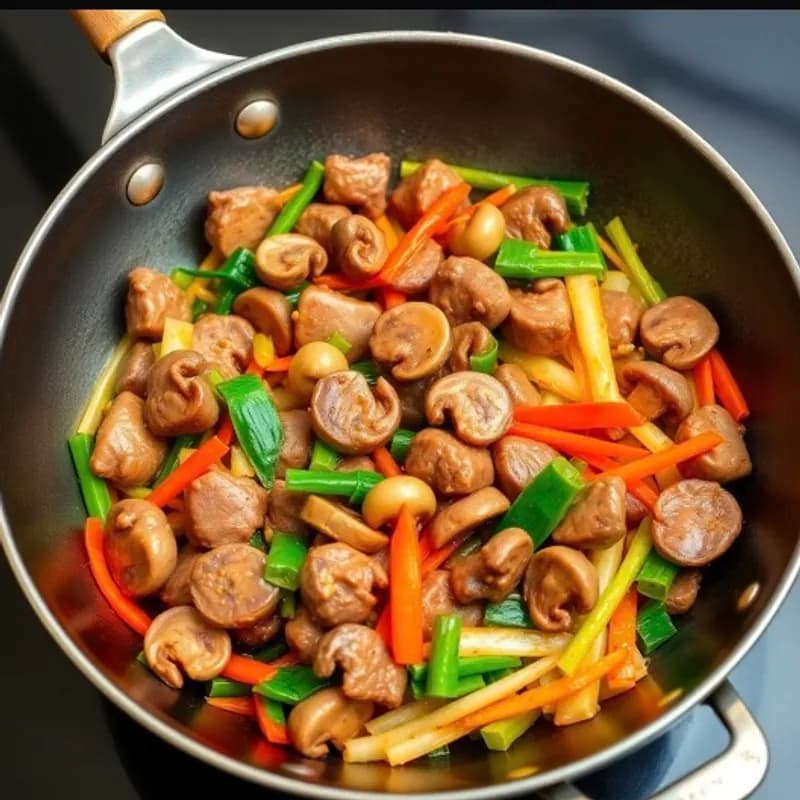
{"x":733,"y":775}
{"x":103,"y":27}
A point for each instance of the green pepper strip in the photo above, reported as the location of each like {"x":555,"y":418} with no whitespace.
{"x":256,"y":423}
{"x":239,"y":273}
{"x":171,"y":461}
{"x":287,"y":553}
{"x":339,"y":342}
{"x":443,"y":665}
{"x":292,"y":685}
{"x":401,"y":444}
{"x":271,"y":651}
{"x":94,"y":490}
{"x":291,"y":212}
{"x":520,"y":260}
{"x":485,"y":361}
{"x":654,"y":626}
{"x":576,"y":193}
{"x":225,"y":687}
{"x":293,"y":295}
{"x":648,"y":286}
{"x":337,"y":483}
{"x":656,"y":577}
{"x":544,"y":501}
{"x":323,"y":457}
{"x":580,"y":239}
{"x":368,"y":369}
{"x":510,"y":613}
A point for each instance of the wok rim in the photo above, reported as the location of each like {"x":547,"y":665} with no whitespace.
{"x":295,"y":786}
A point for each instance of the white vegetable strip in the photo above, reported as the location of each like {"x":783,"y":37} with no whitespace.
{"x":406,"y":713}
{"x":510,"y":642}
{"x":547,"y":373}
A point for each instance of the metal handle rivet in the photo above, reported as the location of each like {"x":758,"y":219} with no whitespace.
{"x":145,"y":183}
{"x":256,"y":119}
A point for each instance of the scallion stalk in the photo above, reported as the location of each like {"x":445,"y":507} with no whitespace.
{"x":291,"y":212}
{"x":94,"y":490}
{"x":654,"y":626}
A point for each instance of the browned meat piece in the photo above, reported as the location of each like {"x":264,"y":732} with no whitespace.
{"x":358,"y":182}
{"x":151,"y":298}
{"x":415,"y":194}
{"x":411,"y":395}
{"x":540,"y":321}
{"x":622,"y":313}
{"x":260,"y":632}
{"x":519,"y":387}
{"x":270,"y":313}
{"x":317,"y":221}
{"x":467,"y":514}
{"x":283,"y":510}
{"x":303,"y":635}
{"x":321,"y":312}
{"x":125,"y":452}
{"x":341,"y":524}
{"x":727,"y":461}
{"x":353,"y":463}
{"x":336,"y":583}
{"x":228,"y":587}
{"x":368,"y":670}
{"x":226,"y":341}
{"x":286,"y":260}
{"x":680,"y":331}
{"x":239,"y":217}
{"x":535,"y":214}
{"x":683,"y":592}
{"x":495,"y":570}
{"x":359,"y":247}
{"x":658,"y":391}
{"x":468,"y":291}
{"x":176,"y":591}
{"x":140,"y":547}
{"x":597,"y":519}
{"x":560,"y":582}
{"x":517,"y":461}
{"x":438,"y":599}
{"x":417,"y":271}
{"x":469,"y":339}
{"x":447,"y":465}
{"x":695,"y":522}
{"x":635,"y":511}
{"x":296,"y":450}
{"x":223,"y":509}
{"x":133,"y":372}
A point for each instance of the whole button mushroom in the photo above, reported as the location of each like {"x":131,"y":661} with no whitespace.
{"x":658,"y":391}
{"x":311,"y":362}
{"x":228,"y":587}
{"x":179,"y":641}
{"x":368,"y":672}
{"x":597,"y":519}
{"x":133,"y":372}
{"x":176,"y":591}
{"x":480,"y":235}
{"x":540,"y":319}
{"x":384,"y":502}
{"x":695,"y":522}
{"x":622,"y":313}
{"x":438,"y":599}
{"x":467,"y":514}
{"x":296,"y":448}
{"x":412,"y":340}
{"x":469,"y":339}
{"x":139,"y":546}
{"x":519,"y":387}
{"x":326,"y":716}
{"x":680,"y":331}
{"x":151,"y":298}
{"x":725,"y":462}
{"x":478,"y":405}
{"x":621,"y":363}
{"x":517,"y":461}
{"x":559,"y":583}
{"x":317,"y":221}
{"x":303,"y":635}
{"x":417,"y":192}
{"x":415,"y":274}
{"x":359,"y":247}
{"x":535,"y":214}
{"x":179,"y":399}
{"x":226,"y":341}
{"x":286,"y":260}
{"x":270,"y":313}
{"x":352,"y":417}
{"x":238,"y":217}
{"x":683,"y":592}
{"x":358,"y":181}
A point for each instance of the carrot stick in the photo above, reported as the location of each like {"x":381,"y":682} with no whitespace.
{"x":650,"y":464}
{"x":622,"y":636}
{"x":611,"y":254}
{"x":405,"y":590}
{"x":254,"y":369}
{"x":574,"y":443}
{"x":704,"y":382}
{"x":196,"y":465}
{"x":727,"y":389}
{"x":383,"y":627}
{"x":500,"y":196}
{"x":640,"y":490}
{"x":580,"y":416}
{"x":130,"y":613}
{"x":425,"y":544}
{"x":274,"y":731}
{"x":285,"y":195}
{"x":391,"y":297}
{"x":249,"y":670}
{"x":340,"y":283}
{"x":437,"y":557}
{"x":280,"y":364}
{"x":389,"y":233}
{"x":386,"y":465}
{"x":236,"y":705}
{"x":225,"y":431}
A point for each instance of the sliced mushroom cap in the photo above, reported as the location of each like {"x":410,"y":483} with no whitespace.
{"x":469,"y":339}
{"x":327,"y":716}
{"x":342,"y":525}
{"x":448,"y":465}
{"x":415,"y":274}
{"x":176,"y":591}
{"x":518,"y":385}
{"x":725,"y":462}
{"x":695,"y":522}
{"x":352,"y":417}
{"x":621,"y":363}
{"x":140,"y":547}
{"x":680,"y":331}
{"x":658,"y":391}
{"x":270,"y":313}
{"x":179,"y":641}
{"x":412,"y":340}
{"x":683,"y":592}
{"x":478,"y":405}
{"x":228,"y":587}
{"x":540,"y":319}
{"x":467,"y":514}
{"x":534,"y":214}
{"x":597,"y":519}
{"x":179,"y":399}
{"x":286,"y":260}
{"x":359,"y":247}
{"x":296,"y":448}
{"x":133,"y":372}
{"x":151,"y":298}
{"x":303,"y":634}
{"x":317,"y":221}
{"x":559,"y":583}
{"x":622,"y":313}
{"x":517,"y":461}
{"x":226,"y":341}
{"x":438,"y":599}
{"x":368,"y":670}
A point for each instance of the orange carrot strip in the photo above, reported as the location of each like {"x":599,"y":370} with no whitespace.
{"x":611,"y":254}
{"x":274,"y":732}
{"x":383,"y":627}
{"x":342,"y":284}
{"x":622,"y":636}
{"x":236,"y":705}
{"x":249,"y":670}
{"x":437,"y":557}
{"x":405,"y":590}
{"x":254,"y":369}
{"x":425,"y":544}
{"x":500,"y":196}
{"x":386,"y":465}
{"x":280,"y":364}
{"x":640,"y":490}
{"x":704,"y":382}
{"x":285,"y":195}
{"x":580,"y":416}
{"x":574,"y":443}
{"x":225,"y":431}
{"x":727,"y":389}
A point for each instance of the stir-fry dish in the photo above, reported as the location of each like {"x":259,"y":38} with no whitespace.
{"x":395,"y":467}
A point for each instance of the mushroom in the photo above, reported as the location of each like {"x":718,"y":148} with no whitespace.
{"x":683,"y":592}
{"x":151,"y":298}
{"x":136,"y":366}
{"x":226,"y":341}
{"x":658,"y":391}
{"x":180,"y":641}
{"x":680,"y":331}
{"x":350,"y":416}
{"x":368,"y":672}
{"x":140,"y":547}
{"x":467,"y":514}
{"x":415,"y":274}
{"x":179,"y":399}
{"x":359,"y":247}
{"x":622,"y":362}
{"x":412,"y":340}
{"x":480,"y":235}
{"x":695,"y":522}
{"x":469,"y":339}
{"x":342,"y":525}
{"x":597,"y":519}
{"x":384,"y":502}
{"x":540,"y":318}
{"x":286,"y":260}
{"x":354,"y":463}
{"x":478,"y":405}
{"x":317,"y":221}
{"x":228,"y":587}
{"x":327,"y":716}
{"x":725,"y":462}
{"x":519,"y":387}
{"x":559,"y":583}
{"x":517,"y":461}
{"x":270,"y":313}
{"x":311,"y":362}
{"x":534,"y":214}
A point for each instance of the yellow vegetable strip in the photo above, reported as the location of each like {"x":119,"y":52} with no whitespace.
{"x":211,"y":262}
{"x":263,"y":350}
{"x":240,"y":464}
{"x":405,"y":713}
{"x":549,"y":398}
{"x":103,"y":389}
{"x":177,"y":336}
{"x":546,"y":372}
{"x":510,"y":642}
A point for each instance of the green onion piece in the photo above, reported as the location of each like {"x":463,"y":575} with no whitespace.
{"x":182,"y":277}
{"x":94,"y":490}
{"x":401,"y":444}
{"x":214,"y":377}
{"x":230,"y":272}
{"x":509,"y":613}
{"x":288,"y":604}
{"x":335,"y":483}
{"x":521,"y":260}
{"x":171,"y":461}
{"x":654,"y":626}
{"x":366,"y":481}
{"x":498,"y":674}
{"x":199,"y":307}
{"x":544,"y":501}
{"x":291,"y":685}
{"x":141,"y":658}
{"x":467,"y":548}
{"x":648,"y":286}
{"x":323,"y":457}
{"x":468,"y":666}
{"x":287,"y":553}
{"x":486,"y":361}
{"x":256,"y":423}
{"x":275,"y":710}
{"x":576,"y":193}
{"x":443,"y":665}
{"x":225,"y":687}
{"x":291,"y":212}
{"x":238,"y":273}
{"x":655,"y":577}
{"x":502,"y":734}
{"x":418,"y":688}
{"x":581,"y":239}
{"x":271,"y":651}
{"x":369,"y":369}
{"x":293,"y":295}
{"x":257,"y":541}
{"x":470,"y":683}
{"x":339,"y":342}
{"x":440,"y":752}
{"x":579,"y":464}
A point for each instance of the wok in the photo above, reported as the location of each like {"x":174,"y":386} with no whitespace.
{"x":175,"y":131}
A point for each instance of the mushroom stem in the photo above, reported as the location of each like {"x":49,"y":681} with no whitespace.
{"x":647,"y":401}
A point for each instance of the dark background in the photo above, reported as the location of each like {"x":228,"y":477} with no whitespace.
{"x":733,"y":76}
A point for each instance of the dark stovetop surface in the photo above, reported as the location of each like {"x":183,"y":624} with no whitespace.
{"x":732,"y":76}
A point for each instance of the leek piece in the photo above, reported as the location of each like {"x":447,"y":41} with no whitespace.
{"x":648,"y":286}
{"x":323,"y":458}
{"x":401,"y":444}
{"x":291,"y":212}
{"x":94,"y":490}
{"x":654,"y":626}
{"x":509,"y":613}
{"x":502,"y":734}
{"x":655,"y":577}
